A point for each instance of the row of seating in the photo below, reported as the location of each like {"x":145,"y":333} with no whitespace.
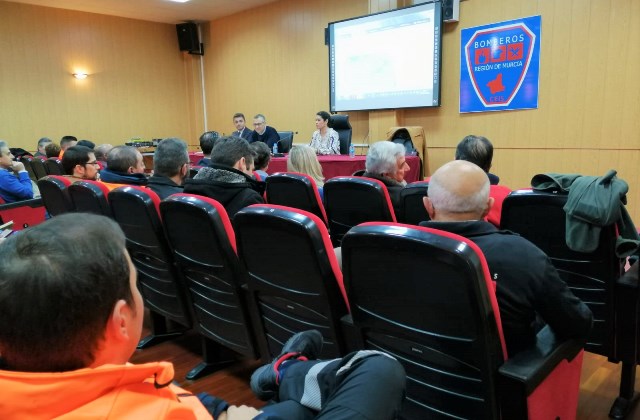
{"x":39,"y":168}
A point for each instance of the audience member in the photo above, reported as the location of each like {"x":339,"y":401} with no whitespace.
{"x":79,"y":163}
{"x":170,"y":167}
{"x":229,"y":178}
{"x":241,"y":129}
{"x":65,"y":143}
{"x":74,"y":364}
{"x":303,"y":159}
{"x":52,"y":150}
{"x":42,"y":143}
{"x":15,"y":184}
{"x":479,"y":150}
{"x":325,"y":140}
{"x":86,"y":143}
{"x":264,"y":133}
{"x":262,"y":157}
{"x":386,"y":162}
{"x":527,"y":283}
{"x":207,"y":141}
{"x":101,"y":151}
{"x":124,"y":166}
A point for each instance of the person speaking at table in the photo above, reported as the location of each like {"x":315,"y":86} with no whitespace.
{"x":325,"y":140}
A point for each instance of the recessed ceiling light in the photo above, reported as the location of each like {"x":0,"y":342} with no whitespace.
{"x":179,"y":1}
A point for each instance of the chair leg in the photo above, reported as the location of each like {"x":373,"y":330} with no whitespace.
{"x":160,"y":331}
{"x":627,"y":398}
{"x":214,"y":358}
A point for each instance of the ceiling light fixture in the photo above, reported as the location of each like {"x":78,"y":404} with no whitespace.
{"x":80,"y":76}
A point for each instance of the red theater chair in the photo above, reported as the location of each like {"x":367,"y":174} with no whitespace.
{"x":53,"y":166}
{"x":55,"y":194}
{"x":295,"y":190}
{"x":90,"y":197}
{"x":412,"y":210}
{"x":294,"y":280}
{"x":23,"y":213}
{"x":26,"y":161}
{"x":37,"y":165}
{"x":431,"y":304}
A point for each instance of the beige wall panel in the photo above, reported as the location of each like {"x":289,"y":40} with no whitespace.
{"x":136,"y":86}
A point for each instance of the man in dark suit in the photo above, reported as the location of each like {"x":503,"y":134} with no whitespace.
{"x":262,"y":132}
{"x":241,"y":129}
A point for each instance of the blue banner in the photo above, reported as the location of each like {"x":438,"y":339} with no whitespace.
{"x":500,"y":66}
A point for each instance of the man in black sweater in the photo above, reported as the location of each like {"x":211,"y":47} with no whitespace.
{"x":262,"y":132}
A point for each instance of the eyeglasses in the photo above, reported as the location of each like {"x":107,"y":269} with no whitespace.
{"x":257,"y":124}
{"x":95,"y":163}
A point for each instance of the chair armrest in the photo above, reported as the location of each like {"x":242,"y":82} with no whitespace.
{"x":33,"y":202}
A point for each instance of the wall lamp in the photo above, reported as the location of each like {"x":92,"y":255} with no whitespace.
{"x":80,"y":76}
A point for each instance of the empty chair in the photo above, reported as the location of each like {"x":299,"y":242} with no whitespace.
{"x":37,"y":165}
{"x":55,"y":194}
{"x":286,"y":141}
{"x":431,"y":304}
{"x":593,"y":277}
{"x":295,"y":190}
{"x":341,"y":124}
{"x":53,"y":166}
{"x":90,"y":197}
{"x":350,"y":201}
{"x":206,"y":257}
{"x":412,"y":210}
{"x":26,"y":161}
{"x":293,"y":277}
{"x":136,"y":210}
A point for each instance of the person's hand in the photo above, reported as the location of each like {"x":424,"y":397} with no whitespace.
{"x":239,"y":413}
{"x":17,"y":167}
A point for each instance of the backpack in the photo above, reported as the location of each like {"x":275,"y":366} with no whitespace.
{"x":402,"y":137}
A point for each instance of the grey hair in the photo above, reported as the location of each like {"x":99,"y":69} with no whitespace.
{"x":3,"y":144}
{"x":43,"y":141}
{"x":260,"y":116}
{"x":383,"y":157}
{"x":446,"y":201}
{"x":169,"y":157}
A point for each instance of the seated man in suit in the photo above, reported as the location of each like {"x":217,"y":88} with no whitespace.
{"x":125,"y":166}
{"x":229,"y":178}
{"x":241,"y":129}
{"x":74,"y":364}
{"x":528,"y":285}
{"x":264,"y":133}
{"x":170,"y":167}
{"x":15,"y":184}
{"x":386,"y":162}
{"x":79,"y":163}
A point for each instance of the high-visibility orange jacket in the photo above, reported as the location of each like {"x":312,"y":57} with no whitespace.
{"x":107,"y":392}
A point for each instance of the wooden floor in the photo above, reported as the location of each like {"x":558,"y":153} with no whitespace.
{"x":598,"y":386}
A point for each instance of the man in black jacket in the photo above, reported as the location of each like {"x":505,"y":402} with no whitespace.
{"x":528,"y":286}
{"x":170,"y":167}
{"x":386,"y":162}
{"x":228,"y":179}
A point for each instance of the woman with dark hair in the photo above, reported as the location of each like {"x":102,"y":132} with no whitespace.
{"x":325,"y":140}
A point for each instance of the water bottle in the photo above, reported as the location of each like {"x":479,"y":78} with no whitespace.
{"x":352,"y":151}
{"x":275,"y":148}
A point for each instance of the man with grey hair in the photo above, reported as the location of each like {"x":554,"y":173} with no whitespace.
{"x":101,"y":151}
{"x":262,"y":132}
{"x":528,"y":286}
{"x":125,"y":165}
{"x":170,"y":167}
{"x":386,"y":162}
{"x":15,"y":184}
{"x":42,"y":143}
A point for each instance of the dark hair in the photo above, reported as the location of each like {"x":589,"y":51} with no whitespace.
{"x":324,"y":115}
{"x":66,"y":140}
{"x":52,"y":150}
{"x":239,"y":114}
{"x":43,"y":141}
{"x":75,"y":155}
{"x":228,"y":150}
{"x":476,"y":149}
{"x":121,"y":158}
{"x":208,"y":140}
{"x":59,"y":282}
{"x":86,"y":143}
{"x":262,"y":154}
{"x":169,"y":157}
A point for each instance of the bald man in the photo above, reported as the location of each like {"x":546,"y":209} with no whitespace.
{"x":528,"y":286}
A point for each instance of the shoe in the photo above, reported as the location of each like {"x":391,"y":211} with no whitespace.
{"x":305,"y":345}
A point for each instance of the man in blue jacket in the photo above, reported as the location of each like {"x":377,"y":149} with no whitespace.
{"x":15,"y":184}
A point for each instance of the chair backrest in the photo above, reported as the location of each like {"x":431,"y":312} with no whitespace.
{"x":23,"y":213}
{"x":431,"y":304}
{"x":37,"y":165}
{"x":90,"y":197}
{"x":26,"y":161}
{"x":207,"y":260}
{"x":304,"y":292}
{"x":350,"y":201}
{"x":55,"y":194}
{"x":412,"y":210}
{"x":539,"y":217}
{"x":136,"y":210}
{"x":295,"y":190}
{"x":53,"y":166}
{"x":341,"y":124}
{"x":286,"y":141}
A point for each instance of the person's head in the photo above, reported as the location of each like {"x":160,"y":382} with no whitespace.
{"x":303,"y":159}
{"x":387,"y":159}
{"x":208,"y":140}
{"x":259,"y":123}
{"x":6,"y":157}
{"x":458,"y":191}
{"x":238,"y":121}
{"x":101,"y":151}
{"x":42,"y":143}
{"x":80,"y":161}
{"x":52,"y":150}
{"x":262,"y":155}
{"x":86,"y":143}
{"x":68,"y":141}
{"x":171,"y":159}
{"x":234,"y":152}
{"x":125,"y":159}
{"x":322,"y":119}
{"x":80,"y":307}
{"x":476,"y":149}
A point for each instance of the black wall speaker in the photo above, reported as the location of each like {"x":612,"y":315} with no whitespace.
{"x":188,"y":37}
{"x":450,"y":10}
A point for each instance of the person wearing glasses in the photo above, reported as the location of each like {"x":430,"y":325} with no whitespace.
{"x":79,"y":163}
{"x":15,"y":184}
{"x":264,"y":133}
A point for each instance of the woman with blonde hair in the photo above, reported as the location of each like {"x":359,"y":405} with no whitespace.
{"x":303,"y":159}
